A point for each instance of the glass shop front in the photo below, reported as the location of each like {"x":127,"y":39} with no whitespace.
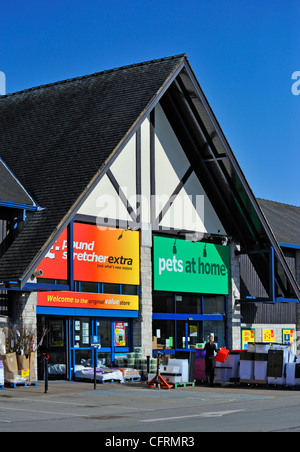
{"x":104,"y":300}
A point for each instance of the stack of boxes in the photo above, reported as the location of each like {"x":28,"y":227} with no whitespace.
{"x":136,"y":360}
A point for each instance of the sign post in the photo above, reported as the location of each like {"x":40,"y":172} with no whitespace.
{"x":96,"y":345}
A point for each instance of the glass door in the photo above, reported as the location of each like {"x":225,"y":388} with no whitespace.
{"x":189,"y":333}
{"x":81,"y":330}
{"x":195,"y":333}
{"x":104,"y":330}
{"x":181,"y":335}
{"x":54,"y":345}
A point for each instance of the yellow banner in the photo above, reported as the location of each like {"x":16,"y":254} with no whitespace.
{"x":88,"y":300}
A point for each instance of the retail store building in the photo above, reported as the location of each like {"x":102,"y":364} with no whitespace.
{"x":124,"y":213}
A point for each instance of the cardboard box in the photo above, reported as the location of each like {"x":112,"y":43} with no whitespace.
{"x":23,"y":367}
{"x":10,"y":364}
{"x":154,"y":342}
{"x":32,"y":371}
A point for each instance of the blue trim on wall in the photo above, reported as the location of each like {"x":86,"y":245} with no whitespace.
{"x":70,"y":254}
{"x":196,"y":317}
{"x":81,"y":312}
{"x":36,"y":287}
{"x":289,"y":245}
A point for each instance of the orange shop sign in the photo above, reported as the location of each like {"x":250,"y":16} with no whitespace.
{"x":108,"y":256}
{"x":88,"y":300}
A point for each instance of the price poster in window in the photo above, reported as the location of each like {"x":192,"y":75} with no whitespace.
{"x":268,"y":336}
{"x":288,"y":338}
{"x":120,"y":337}
{"x":247,"y":336}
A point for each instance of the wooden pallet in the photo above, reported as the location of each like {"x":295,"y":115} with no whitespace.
{"x":254,"y":382}
{"x":184,"y":385}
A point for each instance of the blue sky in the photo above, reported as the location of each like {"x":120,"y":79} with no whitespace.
{"x":243,"y":53}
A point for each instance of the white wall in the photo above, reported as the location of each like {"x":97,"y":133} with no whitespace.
{"x":191,"y":209}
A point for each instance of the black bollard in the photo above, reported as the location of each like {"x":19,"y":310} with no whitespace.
{"x":95,"y":367}
{"x":46,"y":374}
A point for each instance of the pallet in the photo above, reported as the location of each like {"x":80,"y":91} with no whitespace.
{"x":254,"y":382}
{"x":184,"y":385}
{"x":16,"y":385}
{"x":132,"y":379}
{"x":102,"y":382}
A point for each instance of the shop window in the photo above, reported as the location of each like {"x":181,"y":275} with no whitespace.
{"x":63,"y":282}
{"x":163,"y":303}
{"x":104,"y":331}
{"x":83,"y":358}
{"x":89,"y":287}
{"x":82,"y":332}
{"x":214,"y":305}
{"x":104,"y":359}
{"x":128,"y":289}
{"x":56,"y":336}
{"x":111,"y":288}
{"x":163,"y":332}
{"x":188,"y":304}
{"x":217,"y":329}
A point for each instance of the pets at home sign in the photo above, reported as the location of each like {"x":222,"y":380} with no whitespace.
{"x":184,"y":266}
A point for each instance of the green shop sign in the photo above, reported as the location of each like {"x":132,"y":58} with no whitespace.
{"x":183,"y":266}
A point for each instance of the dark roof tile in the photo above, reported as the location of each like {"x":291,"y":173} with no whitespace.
{"x":284,"y":220}
{"x":56,"y":137}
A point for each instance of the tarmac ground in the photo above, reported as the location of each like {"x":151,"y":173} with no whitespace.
{"x":134,"y":409}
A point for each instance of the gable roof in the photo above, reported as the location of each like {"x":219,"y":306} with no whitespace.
{"x":57,"y":137}
{"x":66,"y":134}
{"x":284,"y":220}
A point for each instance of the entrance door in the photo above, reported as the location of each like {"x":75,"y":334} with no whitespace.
{"x":195,"y":333}
{"x":189,"y":333}
{"x":54,"y":345}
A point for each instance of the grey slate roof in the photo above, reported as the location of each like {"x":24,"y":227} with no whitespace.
{"x":11,"y":191}
{"x":284,"y":220}
{"x":55,"y":138}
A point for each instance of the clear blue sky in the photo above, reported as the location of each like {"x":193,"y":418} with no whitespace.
{"x":243,"y":53}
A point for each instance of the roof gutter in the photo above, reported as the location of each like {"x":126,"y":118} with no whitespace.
{"x":20,"y":206}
